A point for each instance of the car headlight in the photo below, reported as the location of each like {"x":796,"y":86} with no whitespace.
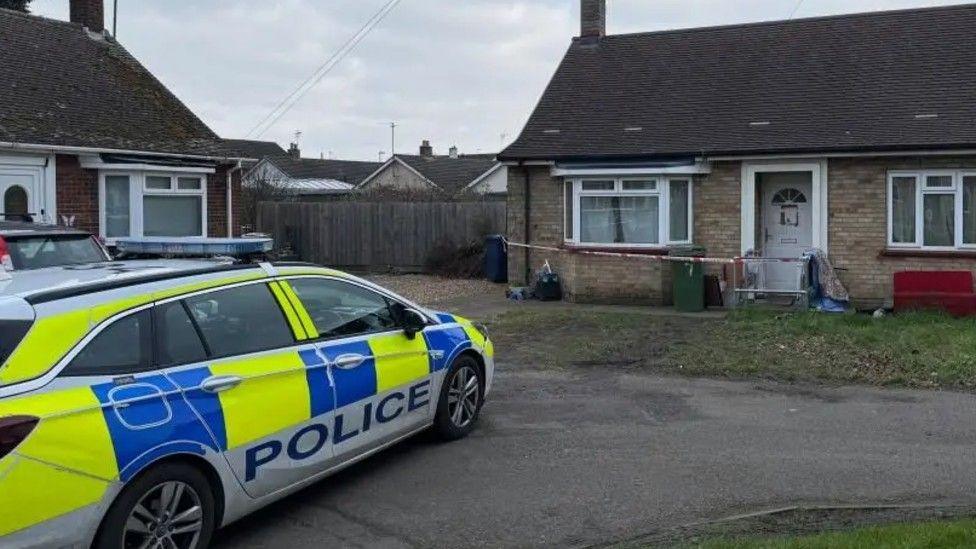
{"x":482,"y":329}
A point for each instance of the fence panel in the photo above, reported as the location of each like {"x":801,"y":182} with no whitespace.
{"x":371,"y":235}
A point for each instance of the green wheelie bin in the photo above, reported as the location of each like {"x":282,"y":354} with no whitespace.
{"x":688,"y":282}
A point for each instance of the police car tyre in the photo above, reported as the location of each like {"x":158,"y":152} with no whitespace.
{"x":171,"y":506}
{"x":461,"y":398}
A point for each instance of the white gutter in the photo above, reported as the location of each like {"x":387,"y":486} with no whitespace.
{"x":97,"y":150}
{"x":230,"y":198}
{"x":689,"y":169}
{"x":933,"y":152}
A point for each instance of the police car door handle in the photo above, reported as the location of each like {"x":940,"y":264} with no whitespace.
{"x":349,"y":362}
{"x":218,"y":384}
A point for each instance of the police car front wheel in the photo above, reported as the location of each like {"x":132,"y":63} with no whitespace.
{"x":461,"y":398}
{"x":170,"y":506}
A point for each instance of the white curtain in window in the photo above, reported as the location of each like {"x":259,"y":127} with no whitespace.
{"x":679,"y":210}
{"x":116,"y":206}
{"x":172,"y":215}
{"x":940,"y":219}
{"x":903,"y":209}
{"x":619,"y":219}
{"x":969,"y":209}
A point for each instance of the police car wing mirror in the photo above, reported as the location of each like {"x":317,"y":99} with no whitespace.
{"x":410,"y":320}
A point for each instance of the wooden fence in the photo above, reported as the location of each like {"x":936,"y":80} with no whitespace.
{"x":375,"y":235}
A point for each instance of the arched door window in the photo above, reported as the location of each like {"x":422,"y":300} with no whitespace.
{"x":15,"y":204}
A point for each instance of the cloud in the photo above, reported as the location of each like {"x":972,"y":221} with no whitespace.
{"x":454,"y":71}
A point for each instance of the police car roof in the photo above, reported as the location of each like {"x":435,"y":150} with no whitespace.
{"x":64,"y":281}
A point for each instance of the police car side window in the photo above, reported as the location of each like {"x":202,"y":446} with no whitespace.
{"x":125,"y":346}
{"x":177,"y":340}
{"x":340,"y":309}
{"x":240,"y":320}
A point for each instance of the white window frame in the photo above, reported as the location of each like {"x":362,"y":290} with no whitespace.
{"x":662,"y":191}
{"x":921,"y":189}
{"x":138,"y":190}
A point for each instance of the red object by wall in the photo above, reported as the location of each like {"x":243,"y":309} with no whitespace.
{"x":950,"y":291}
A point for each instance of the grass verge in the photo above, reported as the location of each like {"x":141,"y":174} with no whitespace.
{"x":911,"y":350}
{"x":943,"y":535}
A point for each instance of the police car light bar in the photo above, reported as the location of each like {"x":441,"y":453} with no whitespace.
{"x":194,"y":246}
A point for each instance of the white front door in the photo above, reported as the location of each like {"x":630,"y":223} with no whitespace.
{"x":787,"y":224}
{"x":19,"y":196}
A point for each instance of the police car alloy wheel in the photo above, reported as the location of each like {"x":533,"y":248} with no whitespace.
{"x":461,"y":399}
{"x":171,"y":507}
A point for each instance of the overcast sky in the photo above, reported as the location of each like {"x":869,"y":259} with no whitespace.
{"x":462,"y":72}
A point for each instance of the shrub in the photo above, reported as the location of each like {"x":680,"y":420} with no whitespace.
{"x":457,"y":261}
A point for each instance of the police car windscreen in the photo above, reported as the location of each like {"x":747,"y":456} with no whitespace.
{"x":39,"y":251}
{"x":12,"y":332}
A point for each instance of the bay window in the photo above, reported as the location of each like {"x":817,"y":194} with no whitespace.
{"x":628,"y":212}
{"x":140,"y":204}
{"x":932,"y":209}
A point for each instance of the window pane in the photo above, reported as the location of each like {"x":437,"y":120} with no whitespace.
{"x":122,"y":347}
{"x":157,"y":182}
{"x":679,"y":209}
{"x":172,"y":215}
{"x":969,"y":209}
{"x":116,"y":205}
{"x":568,"y":209}
{"x":619,"y":219}
{"x":241,"y":320}
{"x":940,"y":220}
{"x":598,"y":185}
{"x":188,"y":183}
{"x":938,"y":181}
{"x":640,"y":185}
{"x":177,"y":339}
{"x":342,"y":309}
{"x":903,"y":209}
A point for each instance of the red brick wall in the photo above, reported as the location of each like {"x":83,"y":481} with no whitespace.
{"x":77,"y":193}
{"x":217,"y":201}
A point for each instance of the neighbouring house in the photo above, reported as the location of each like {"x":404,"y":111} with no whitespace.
{"x":310,"y":178}
{"x":453,"y":175}
{"x":90,"y":138}
{"x":255,"y":150}
{"x":855,"y":134}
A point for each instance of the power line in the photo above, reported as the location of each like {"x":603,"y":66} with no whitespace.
{"x":289,"y":101}
{"x":795,"y":8}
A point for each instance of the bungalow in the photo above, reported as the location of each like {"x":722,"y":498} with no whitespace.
{"x":855,"y":134}
{"x":451,"y":175}
{"x":89,"y":138}
{"x":311,"y":178}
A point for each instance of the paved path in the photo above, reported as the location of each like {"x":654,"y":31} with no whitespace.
{"x":569,"y":458}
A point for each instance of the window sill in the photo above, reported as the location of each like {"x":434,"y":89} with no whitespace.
{"x":927,"y":254}
{"x":656,"y":250}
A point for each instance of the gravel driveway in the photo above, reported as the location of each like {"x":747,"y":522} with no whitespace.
{"x":429,"y":290}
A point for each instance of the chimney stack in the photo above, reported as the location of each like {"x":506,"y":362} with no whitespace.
{"x":89,"y":13}
{"x":426,"y":150}
{"x":453,"y":152}
{"x":593,"y":19}
{"x":293,"y":150}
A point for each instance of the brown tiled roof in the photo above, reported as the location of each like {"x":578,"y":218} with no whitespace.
{"x":896,"y":80}
{"x":252,"y":149}
{"x":61,"y":85}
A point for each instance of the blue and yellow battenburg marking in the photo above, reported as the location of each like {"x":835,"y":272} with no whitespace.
{"x":90,"y":436}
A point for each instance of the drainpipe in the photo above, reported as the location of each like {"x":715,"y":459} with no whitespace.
{"x":230,"y":198}
{"x":527,"y":214}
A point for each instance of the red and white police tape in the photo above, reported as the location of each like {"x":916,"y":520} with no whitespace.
{"x":658,"y":257}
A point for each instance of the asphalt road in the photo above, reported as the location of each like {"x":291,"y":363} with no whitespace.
{"x":583,"y":456}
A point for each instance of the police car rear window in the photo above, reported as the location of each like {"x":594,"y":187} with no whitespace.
{"x":37,"y":252}
{"x":240,"y":320}
{"x":12,"y":332}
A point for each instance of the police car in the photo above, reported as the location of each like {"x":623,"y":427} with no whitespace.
{"x":147,"y":403}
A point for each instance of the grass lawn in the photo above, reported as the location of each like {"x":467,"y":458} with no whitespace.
{"x":941,"y":535}
{"x":913,"y":350}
